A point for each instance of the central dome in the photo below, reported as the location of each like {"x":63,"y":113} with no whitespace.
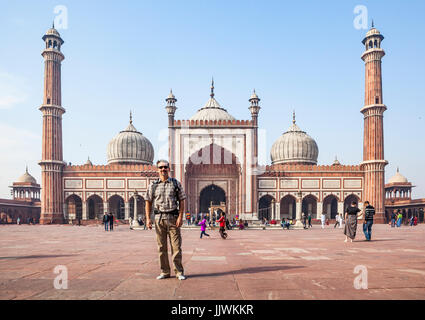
{"x":212,"y":110}
{"x":294,"y":146}
{"x":130,"y":147}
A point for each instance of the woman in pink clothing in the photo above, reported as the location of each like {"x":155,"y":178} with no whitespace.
{"x":203,"y":225}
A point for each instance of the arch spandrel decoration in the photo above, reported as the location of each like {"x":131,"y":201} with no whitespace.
{"x":271,"y":194}
{"x":229,"y":142}
{"x":314,"y":195}
{"x":283,"y":194}
{"x":100,"y":194}
{"x":111,"y":194}
{"x":337,"y":195}
{"x":69,"y":194}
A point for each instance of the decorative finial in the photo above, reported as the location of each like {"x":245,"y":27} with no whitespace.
{"x":131,"y":118}
{"x":212,"y":88}
{"x":373,"y":25}
{"x":26,"y":168}
{"x":293,"y":117}
{"x":397,"y":170}
{"x":53,"y":24}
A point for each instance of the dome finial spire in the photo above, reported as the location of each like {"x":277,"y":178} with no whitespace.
{"x":398,"y":170}
{"x":26,"y":168}
{"x":293,"y":117}
{"x":212,"y":88}
{"x":131,"y":118}
{"x":373,"y":25}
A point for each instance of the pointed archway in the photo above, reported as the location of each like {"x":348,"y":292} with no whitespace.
{"x":211,"y":195}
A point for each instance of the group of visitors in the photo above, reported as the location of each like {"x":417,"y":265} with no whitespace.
{"x":397,"y":219}
{"x":169,"y":210}
{"x":108,"y":221}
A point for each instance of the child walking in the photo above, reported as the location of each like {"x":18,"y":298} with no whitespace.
{"x":203,"y":225}
{"x":222,"y":222}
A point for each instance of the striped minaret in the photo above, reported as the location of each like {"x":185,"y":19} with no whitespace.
{"x":373,"y":145}
{"x":52,"y":157}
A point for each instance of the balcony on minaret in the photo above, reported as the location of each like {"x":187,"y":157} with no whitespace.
{"x":53,"y":39}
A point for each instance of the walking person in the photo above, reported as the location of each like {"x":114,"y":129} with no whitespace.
{"x":393,"y":217}
{"x":399,"y":219}
{"x":351,"y":221}
{"x":222,"y":222}
{"x":106,"y":221}
{"x":309,"y":221}
{"x":341,"y":220}
{"x":369,"y":212}
{"x":203,"y":225}
{"x":337,"y":221}
{"x":111,"y":221}
{"x":304,"y":220}
{"x":323,"y":219}
{"x":166,"y":196}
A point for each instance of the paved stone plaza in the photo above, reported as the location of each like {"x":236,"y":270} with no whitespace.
{"x":250,"y":264}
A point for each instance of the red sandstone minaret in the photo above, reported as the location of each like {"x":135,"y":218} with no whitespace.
{"x":52,"y":157}
{"x":373,"y":145}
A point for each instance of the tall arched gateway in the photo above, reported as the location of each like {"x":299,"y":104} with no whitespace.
{"x":213,"y":174}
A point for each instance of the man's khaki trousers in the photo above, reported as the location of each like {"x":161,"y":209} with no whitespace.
{"x":163,"y":228}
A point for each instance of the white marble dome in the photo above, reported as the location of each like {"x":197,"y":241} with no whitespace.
{"x":26,"y":178}
{"x":294,"y":146}
{"x":53,"y":31}
{"x":212,"y":111}
{"x":130,"y":147}
{"x":398,"y":178}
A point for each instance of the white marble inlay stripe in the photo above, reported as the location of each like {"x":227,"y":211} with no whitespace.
{"x":208,"y":258}
{"x":293,"y":250}
{"x":264,"y":251}
{"x":412,"y":271}
{"x":316,"y":258}
{"x":278,"y":258}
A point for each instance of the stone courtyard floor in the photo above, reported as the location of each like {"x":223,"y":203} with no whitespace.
{"x":250,"y":264}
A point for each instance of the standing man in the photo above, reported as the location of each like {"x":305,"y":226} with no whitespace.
{"x":309,"y":221}
{"x":166,"y":197}
{"x":111,"y":221}
{"x":323,"y":219}
{"x":106,"y":221}
{"x":369,"y":211}
{"x":393,"y":216}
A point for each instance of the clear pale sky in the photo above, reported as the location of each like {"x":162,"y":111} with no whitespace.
{"x":122,"y":56}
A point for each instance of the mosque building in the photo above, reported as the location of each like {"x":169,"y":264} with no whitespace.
{"x":25,"y":204}
{"x":215,"y":157}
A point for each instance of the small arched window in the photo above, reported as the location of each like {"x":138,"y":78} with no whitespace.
{"x":370,"y":44}
{"x":376,"y":44}
{"x":376,"y":100}
{"x":50,"y":43}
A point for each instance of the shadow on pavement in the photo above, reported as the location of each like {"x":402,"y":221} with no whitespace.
{"x":245,"y":271}
{"x":39,"y":256}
